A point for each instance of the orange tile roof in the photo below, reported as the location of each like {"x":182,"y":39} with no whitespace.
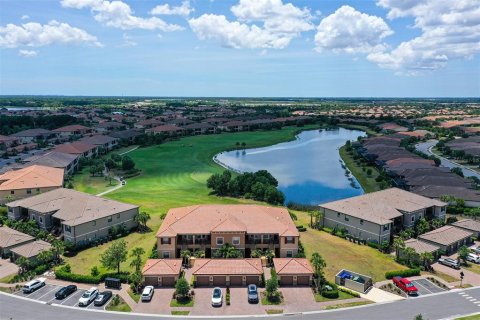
{"x":31,"y":177}
{"x":162,"y":267}
{"x":203,"y":219}
{"x":284,"y":266}
{"x":251,"y":266}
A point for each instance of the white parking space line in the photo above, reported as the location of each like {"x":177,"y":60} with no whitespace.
{"x":75,"y":294}
{"x":419,"y":284}
{"x":54,"y":288}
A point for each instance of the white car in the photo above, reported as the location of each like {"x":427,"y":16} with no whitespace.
{"x":147,"y":293}
{"x":473,"y":258}
{"x":217,"y":297}
{"x":33,"y":285}
{"x":88,"y":297}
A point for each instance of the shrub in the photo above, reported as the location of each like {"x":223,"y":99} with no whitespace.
{"x":64,"y":273}
{"x":402,"y":273}
{"x":350,"y":292}
{"x":330,"y":291}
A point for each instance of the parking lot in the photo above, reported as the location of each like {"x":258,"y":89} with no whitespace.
{"x":47,"y":294}
{"x":426,"y":287}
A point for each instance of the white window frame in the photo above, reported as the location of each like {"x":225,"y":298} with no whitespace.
{"x":236,"y":239}
{"x":220,"y":244}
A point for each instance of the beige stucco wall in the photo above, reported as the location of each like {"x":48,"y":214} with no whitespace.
{"x":170,"y":248}
{"x":22,"y":193}
{"x":227,"y":238}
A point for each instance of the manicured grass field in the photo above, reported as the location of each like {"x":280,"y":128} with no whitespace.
{"x":367,"y":182}
{"x":83,"y":181}
{"x":182,"y":303}
{"x":341,"y":296}
{"x":342,"y":254}
{"x":174,"y":174}
{"x":473,"y":317}
{"x":348,"y":305}
{"x":122,"y":306}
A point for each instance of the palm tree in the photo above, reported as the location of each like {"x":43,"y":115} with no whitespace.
{"x":409,"y":254}
{"x":318,"y":264}
{"x":58,"y":249}
{"x":137,"y":258}
{"x":185,"y":255}
{"x":398,"y":244}
{"x":199,"y":254}
{"x":141,"y":218}
{"x":427,"y":259}
{"x":24,"y":264}
{"x":228,"y":251}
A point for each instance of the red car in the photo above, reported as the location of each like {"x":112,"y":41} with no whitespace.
{"x":405,"y":285}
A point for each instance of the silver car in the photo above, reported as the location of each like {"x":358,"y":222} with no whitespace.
{"x":449,"y":262}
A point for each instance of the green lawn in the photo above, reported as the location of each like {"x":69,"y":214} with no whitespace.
{"x":182,"y":303}
{"x":180,"y":313}
{"x":122,"y":306}
{"x":473,"y":317}
{"x":367,"y":182}
{"x":266,"y":302}
{"x":341,"y":296}
{"x":274,"y":311}
{"x":174,"y":174}
{"x":342,"y":254}
{"x":83,"y":181}
{"x":133,"y":295}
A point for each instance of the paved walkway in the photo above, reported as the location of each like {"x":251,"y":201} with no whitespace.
{"x":470,"y":277}
{"x":378,"y":295}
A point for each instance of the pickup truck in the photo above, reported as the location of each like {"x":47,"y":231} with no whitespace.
{"x":452,"y":263}
{"x":405,"y":285}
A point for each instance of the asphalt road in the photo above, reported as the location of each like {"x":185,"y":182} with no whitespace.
{"x":425,"y":147}
{"x":448,"y":305}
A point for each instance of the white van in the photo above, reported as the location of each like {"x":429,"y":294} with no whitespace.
{"x":473,"y":258}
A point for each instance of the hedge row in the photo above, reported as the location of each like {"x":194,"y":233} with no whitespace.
{"x":62,"y":274}
{"x":402,"y":273}
{"x":350,"y":292}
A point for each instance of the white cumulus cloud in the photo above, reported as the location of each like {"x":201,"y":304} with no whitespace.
{"x":183,"y":10}
{"x":450,"y":30}
{"x":350,"y":31}
{"x":27,"y":53}
{"x":259,"y":24}
{"x":118,"y":14}
{"x":33,"y":34}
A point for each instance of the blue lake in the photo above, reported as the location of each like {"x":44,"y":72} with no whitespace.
{"x":308,"y":169}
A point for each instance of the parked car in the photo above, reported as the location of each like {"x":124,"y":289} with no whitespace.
{"x":473,"y":258}
{"x":252,"y":293}
{"x":147,"y":293}
{"x":405,"y":285}
{"x":102,"y":298}
{"x":65,"y":292}
{"x":88,"y":297}
{"x":123,"y":183}
{"x":449,"y":262}
{"x":33,"y":285}
{"x":217,"y":297}
{"x":476,"y":250}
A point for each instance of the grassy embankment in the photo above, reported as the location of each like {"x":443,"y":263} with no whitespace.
{"x":174,"y":174}
{"x":367,"y":182}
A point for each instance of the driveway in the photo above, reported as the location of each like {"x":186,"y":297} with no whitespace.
{"x":469,"y":276}
{"x":7,"y":268}
{"x":298,"y":299}
{"x":160,"y":303}
{"x":379,"y":295}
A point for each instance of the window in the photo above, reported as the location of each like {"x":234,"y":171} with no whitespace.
{"x":347,"y":218}
{"x":109,"y":219}
{"x":236,"y":241}
{"x":289,"y":240}
{"x":361,"y":221}
{"x":118,"y":215}
{"x":12,"y":192}
{"x":266,"y":237}
{"x":166,"y":254}
{"x":289,"y":254}
{"x":67,"y":228}
{"x":40,"y":219}
{"x":219,"y":241}
{"x":413,"y":218}
{"x":29,"y":191}
{"x":38,"y":189}
{"x":94,"y":223}
{"x":386,"y":227}
{"x":338,"y":214}
{"x":165,"y":240}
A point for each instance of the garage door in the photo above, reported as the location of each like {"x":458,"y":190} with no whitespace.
{"x":168,"y":281}
{"x":303,"y":280}
{"x":151,"y":281}
{"x":236,"y":281}
{"x":219,"y":280}
{"x":286,"y":280}
{"x":252,"y":280}
{"x":203,"y":281}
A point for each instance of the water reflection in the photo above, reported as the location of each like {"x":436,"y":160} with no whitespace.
{"x":309,"y":169}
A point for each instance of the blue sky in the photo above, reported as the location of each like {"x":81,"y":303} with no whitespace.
{"x":327,"y":48}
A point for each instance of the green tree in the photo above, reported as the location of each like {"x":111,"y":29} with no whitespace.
{"x":463,"y":253}
{"x":199,"y":254}
{"x":271,"y":288}
{"x":426,"y":258}
{"x":421,"y":226}
{"x":398,"y":244}
{"x":142,"y":218}
{"x":227,"y":251}
{"x":127,"y":163}
{"x":114,"y":255}
{"x":418,"y":317}
{"x":45,"y":256}
{"x":94,"y":271}
{"x":136,"y":280}
{"x":318,"y":264}
{"x":24,"y":264}
{"x":58,"y":248}
{"x":136,"y":254}
{"x":182,"y":288}
{"x":185,"y":255}
{"x":409,"y":254}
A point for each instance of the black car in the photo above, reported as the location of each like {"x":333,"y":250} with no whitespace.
{"x":65,"y":291}
{"x":102,"y":298}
